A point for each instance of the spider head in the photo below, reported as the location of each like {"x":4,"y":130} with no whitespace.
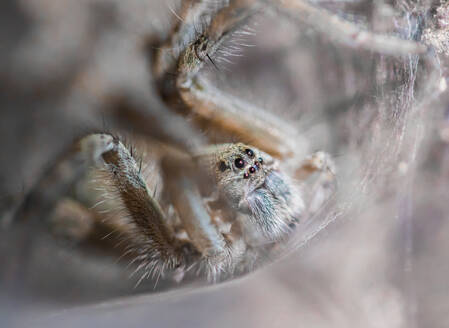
{"x":240,"y":168}
{"x":252,"y":184}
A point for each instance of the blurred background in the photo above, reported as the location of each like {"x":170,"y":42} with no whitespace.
{"x":376,"y":256}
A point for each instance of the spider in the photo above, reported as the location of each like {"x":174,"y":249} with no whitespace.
{"x":252,"y":208}
{"x":224,"y":208}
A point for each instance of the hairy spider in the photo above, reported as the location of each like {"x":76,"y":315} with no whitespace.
{"x":221,"y":209}
{"x":230,"y":207}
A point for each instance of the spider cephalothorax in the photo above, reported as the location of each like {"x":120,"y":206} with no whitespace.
{"x":252,"y":183}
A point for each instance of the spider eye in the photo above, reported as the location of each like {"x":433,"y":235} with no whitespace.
{"x":239,"y":163}
{"x":249,"y":152}
{"x":222,"y":166}
{"x":260,"y":160}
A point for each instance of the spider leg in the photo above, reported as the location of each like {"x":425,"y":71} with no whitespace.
{"x":180,"y":62}
{"x":188,"y":202}
{"x":159,"y":247}
{"x":320,"y":167}
{"x":72,"y":220}
{"x":344,"y":31}
{"x":176,"y":66}
{"x":318,"y":162}
{"x":58,"y":179}
{"x":202,"y":26}
{"x":236,"y":117}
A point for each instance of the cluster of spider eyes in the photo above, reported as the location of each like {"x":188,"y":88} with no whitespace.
{"x":240,"y":164}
